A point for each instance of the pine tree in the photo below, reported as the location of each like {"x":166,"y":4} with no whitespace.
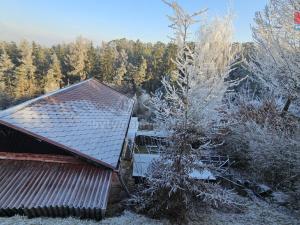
{"x":156,"y":66}
{"x":96,"y":70}
{"x":275,"y":60}
{"x":117,"y":62}
{"x":61,"y":51}
{"x":107,"y":61}
{"x":76,"y":60}
{"x":169,"y":188}
{"x":13,"y":52}
{"x":140,"y":76}
{"x":131,"y":71}
{"x":41,"y":61}
{"x":91,"y":60}
{"x":120,"y":67}
{"x":53,"y":79}
{"x":157,"y":63}
{"x":6,"y":73}
{"x":25,"y":73}
{"x":169,"y":54}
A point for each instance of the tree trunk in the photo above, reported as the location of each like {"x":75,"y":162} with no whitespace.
{"x":286,"y":106}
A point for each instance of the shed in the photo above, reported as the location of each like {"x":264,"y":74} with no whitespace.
{"x":59,"y":152}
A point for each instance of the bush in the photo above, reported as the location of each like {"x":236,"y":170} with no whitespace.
{"x":169,"y":190}
{"x":266,"y":144}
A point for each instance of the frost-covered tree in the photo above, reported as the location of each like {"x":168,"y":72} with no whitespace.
{"x":6,"y":73}
{"x":25,"y":81}
{"x":121,"y":67}
{"x":53,"y":78}
{"x":137,"y":74}
{"x":96,"y":71}
{"x":90,"y":60}
{"x":215,"y":57}
{"x":181,"y":109}
{"x":107,"y":61}
{"x":6,"y":78}
{"x":76,"y":60}
{"x":201,"y":78}
{"x":40,"y":57}
{"x":140,"y":75}
{"x":276,"y":60}
{"x":264,"y":143}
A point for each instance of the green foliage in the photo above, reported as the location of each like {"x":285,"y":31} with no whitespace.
{"x":121,"y":67}
{"x":107,"y":61}
{"x":53,"y":78}
{"x":40,"y":57}
{"x":28,"y":69}
{"x":25,"y":81}
{"x":76,"y":60}
{"x":6,"y":73}
{"x":140,"y":74}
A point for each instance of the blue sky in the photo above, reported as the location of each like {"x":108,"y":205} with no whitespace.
{"x":53,"y":21}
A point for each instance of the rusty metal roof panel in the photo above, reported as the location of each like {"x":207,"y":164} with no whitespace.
{"x":53,"y":189}
{"x":89,"y":119}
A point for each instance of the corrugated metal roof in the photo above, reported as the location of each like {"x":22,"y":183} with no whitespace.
{"x":53,"y":189}
{"x":89,"y":119}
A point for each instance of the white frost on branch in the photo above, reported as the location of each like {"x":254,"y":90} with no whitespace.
{"x":189,"y":102}
{"x":276,"y":61}
{"x":203,"y":64}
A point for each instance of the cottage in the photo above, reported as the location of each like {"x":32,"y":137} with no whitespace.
{"x":60,"y":153}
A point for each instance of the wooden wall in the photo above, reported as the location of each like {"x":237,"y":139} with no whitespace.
{"x":15,"y":141}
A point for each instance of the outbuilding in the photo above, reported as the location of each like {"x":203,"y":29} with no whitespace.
{"x":60,"y":153}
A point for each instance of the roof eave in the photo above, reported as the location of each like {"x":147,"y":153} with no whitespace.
{"x":68,"y":149}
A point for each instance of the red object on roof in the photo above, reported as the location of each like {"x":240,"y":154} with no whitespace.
{"x":297,"y":17}
{"x":88,"y":119}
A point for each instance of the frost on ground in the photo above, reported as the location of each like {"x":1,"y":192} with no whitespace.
{"x":258,"y":212}
{"x":127,"y":218}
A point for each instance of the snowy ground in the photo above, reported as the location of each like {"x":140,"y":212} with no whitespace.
{"x":127,"y":218}
{"x":258,"y":213}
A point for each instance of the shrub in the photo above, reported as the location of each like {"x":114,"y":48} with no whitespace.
{"x":266,"y":143}
{"x":169,"y":190}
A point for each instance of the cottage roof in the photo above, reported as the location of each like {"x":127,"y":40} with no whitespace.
{"x":88,"y":119}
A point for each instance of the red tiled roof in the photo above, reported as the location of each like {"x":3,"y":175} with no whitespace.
{"x":88,"y":119}
{"x":53,"y":189}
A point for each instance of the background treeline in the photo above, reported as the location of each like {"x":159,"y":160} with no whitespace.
{"x":29,"y":69}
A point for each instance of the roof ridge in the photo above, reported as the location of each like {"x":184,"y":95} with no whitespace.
{"x":21,"y":106}
{"x":113,"y":89}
